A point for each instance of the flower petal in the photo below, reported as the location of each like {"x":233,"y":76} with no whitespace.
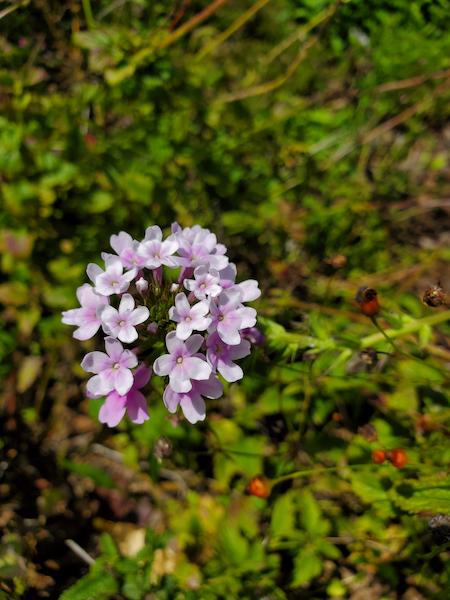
{"x":194,"y":343}
{"x":95,"y":362}
{"x":193,"y":408}
{"x":171,"y":399}
{"x":98,"y":386}
{"x":179,"y":381}
{"x":114,"y":348}
{"x":173,"y":343}
{"x":121,"y":241}
{"x":196,"y":368}
{"x":93,"y":271}
{"x":137,"y":407}
{"x":123,"y":380}
{"x":182,"y":305}
{"x":86,"y":331}
{"x":126,"y":303}
{"x":113,"y":409}
{"x":142,"y":376}
{"x":184,"y":330}
{"x":127,"y":334}
{"x":229,"y":370}
{"x":164,"y":364}
{"x":139,"y":315}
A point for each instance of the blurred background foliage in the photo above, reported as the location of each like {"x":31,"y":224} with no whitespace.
{"x":312,"y":137}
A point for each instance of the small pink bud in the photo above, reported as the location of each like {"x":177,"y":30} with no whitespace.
{"x":152,"y":328}
{"x":174,"y":287}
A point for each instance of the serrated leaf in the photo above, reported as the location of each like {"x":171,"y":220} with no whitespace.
{"x":283,"y":514}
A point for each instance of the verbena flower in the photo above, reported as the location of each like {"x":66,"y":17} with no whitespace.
{"x":205,"y":283}
{"x":133,"y":402}
{"x":112,"y":370}
{"x":192,"y":403}
{"x":87,"y":316}
{"x":121,"y":323}
{"x":182,"y":364}
{"x":135,"y":300}
{"x":112,"y":280}
{"x":189,"y":318}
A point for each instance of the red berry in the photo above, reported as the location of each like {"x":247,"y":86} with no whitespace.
{"x":398,"y":458}
{"x":258,"y":486}
{"x":367,"y":298}
{"x":378,"y":456}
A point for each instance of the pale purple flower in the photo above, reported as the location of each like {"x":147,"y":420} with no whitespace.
{"x":249,"y":288}
{"x":180,"y":364}
{"x":86,"y":317}
{"x":205,"y":283}
{"x":133,"y":402}
{"x":227,"y":276}
{"x":254,"y":336}
{"x":155,"y":252}
{"x":189,"y":318}
{"x":229,"y":316}
{"x":112,"y":280}
{"x":192,"y":403}
{"x":198,"y":247}
{"x":121,"y":323}
{"x":127,"y":250}
{"x":221,"y":356}
{"x":112,"y":370}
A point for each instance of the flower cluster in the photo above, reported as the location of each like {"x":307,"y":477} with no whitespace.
{"x":180,"y":291}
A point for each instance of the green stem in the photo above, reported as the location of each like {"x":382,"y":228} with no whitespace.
{"x":87,"y":9}
{"x":411,"y":327}
{"x":315,"y":470}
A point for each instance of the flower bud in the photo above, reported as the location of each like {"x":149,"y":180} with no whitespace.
{"x":152,"y":328}
{"x":142,"y":285}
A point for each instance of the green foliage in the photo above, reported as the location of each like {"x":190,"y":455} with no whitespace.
{"x":313,"y":141}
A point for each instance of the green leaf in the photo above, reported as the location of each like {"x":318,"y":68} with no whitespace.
{"x":95,"y":473}
{"x":310,"y":514}
{"x":307,"y":565}
{"x":99,"y":585}
{"x":283,"y":515}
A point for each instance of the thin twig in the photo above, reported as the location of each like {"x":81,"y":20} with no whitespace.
{"x":80,"y":552}
{"x":237,"y":24}
{"x":192,"y":23}
{"x":300,"y":34}
{"x":270,"y":86}
{"x":403,"y":84}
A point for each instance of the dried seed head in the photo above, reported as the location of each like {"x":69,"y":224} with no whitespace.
{"x":434,"y":296}
{"x":368,"y":432}
{"x":163,"y":448}
{"x":439,"y":526}
{"x":368,"y":356}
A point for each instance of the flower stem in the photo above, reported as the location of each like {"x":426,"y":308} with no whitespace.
{"x":411,"y":327}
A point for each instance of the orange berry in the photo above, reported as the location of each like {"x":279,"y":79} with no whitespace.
{"x":378,"y":456}
{"x":258,"y":486}
{"x":398,"y":458}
